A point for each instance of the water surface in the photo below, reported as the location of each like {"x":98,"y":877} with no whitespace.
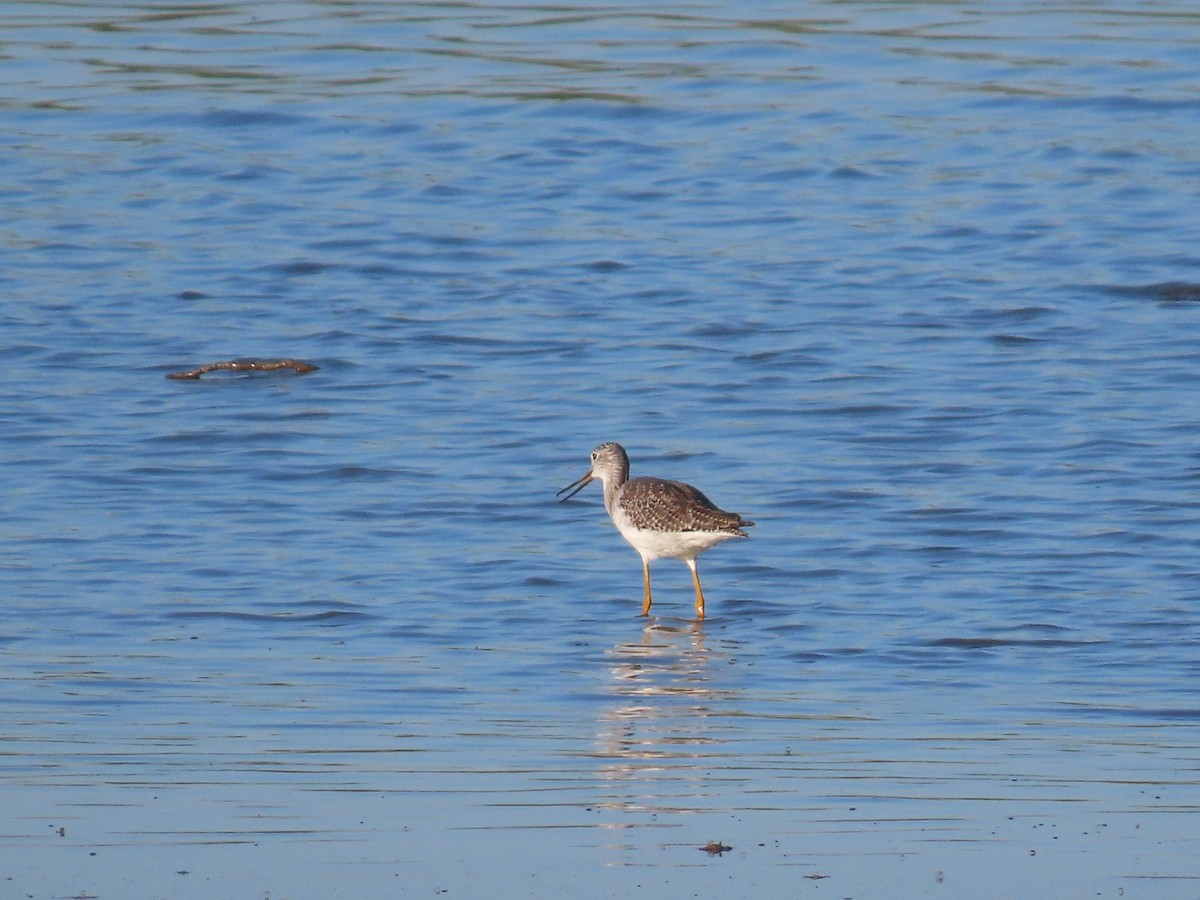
{"x":914,"y":286}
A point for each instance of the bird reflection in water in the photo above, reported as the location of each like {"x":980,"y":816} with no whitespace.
{"x":661,"y":742}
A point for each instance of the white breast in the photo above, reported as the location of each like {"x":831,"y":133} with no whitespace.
{"x":674,"y":544}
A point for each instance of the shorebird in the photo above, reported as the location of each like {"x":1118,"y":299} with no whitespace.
{"x":659,"y":518}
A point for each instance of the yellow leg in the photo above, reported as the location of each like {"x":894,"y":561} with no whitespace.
{"x":699,"y":593}
{"x":646,"y":575}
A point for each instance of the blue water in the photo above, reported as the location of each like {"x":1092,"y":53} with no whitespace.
{"x":916,"y":287}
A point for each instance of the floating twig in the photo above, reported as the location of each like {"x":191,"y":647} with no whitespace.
{"x":247,"y":365}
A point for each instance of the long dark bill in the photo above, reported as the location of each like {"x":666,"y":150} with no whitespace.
{"x":579,"y":484}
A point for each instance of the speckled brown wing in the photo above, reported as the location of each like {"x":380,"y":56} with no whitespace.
{"x":661,"y":505}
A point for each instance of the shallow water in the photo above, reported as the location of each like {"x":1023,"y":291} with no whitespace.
{"x":914,"y":286}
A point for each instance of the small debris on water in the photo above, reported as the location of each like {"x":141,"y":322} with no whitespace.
{"x":299,"y":366}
